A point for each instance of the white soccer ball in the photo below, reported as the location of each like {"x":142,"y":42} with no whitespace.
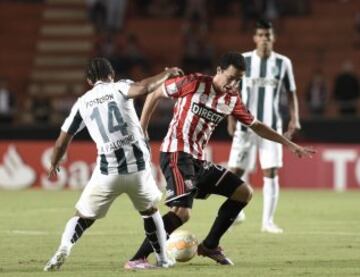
{"x":241,"y":217}
{"x":181,"y":246}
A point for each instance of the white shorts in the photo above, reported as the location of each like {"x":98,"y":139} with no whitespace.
{"x":244,"y":148}
{"x":102,"y":190}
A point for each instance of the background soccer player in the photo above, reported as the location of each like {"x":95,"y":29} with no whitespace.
{"x":123,"y":161}
{"x":202,"y":102}
{"x":267,"y":73}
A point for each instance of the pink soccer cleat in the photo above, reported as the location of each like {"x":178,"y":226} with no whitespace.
{"x":139,"y":264}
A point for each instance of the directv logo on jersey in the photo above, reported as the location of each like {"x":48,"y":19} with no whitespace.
{"x":206,"y":113}
{"x":100,"y":100}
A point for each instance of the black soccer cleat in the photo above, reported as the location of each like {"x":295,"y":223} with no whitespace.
{"x":216,"y":254}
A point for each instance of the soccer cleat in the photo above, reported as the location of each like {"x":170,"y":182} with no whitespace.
{"x":216,"y":254}
{"x":138,"y":264}
{"x":166,"y":264}
{"x":56,"y":261}
{"x":272,"y":228}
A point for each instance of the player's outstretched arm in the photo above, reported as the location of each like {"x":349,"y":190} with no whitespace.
{"x":150,"y":84}
{"x":264,"y":131}
{"x":60,"y":147}
{"x":150,"y":104}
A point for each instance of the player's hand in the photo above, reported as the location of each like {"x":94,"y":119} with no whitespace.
{"x":302,"y":151}
{"x":53,"y":170}
{"x":294,"y":125}
{"x":174,"y":71}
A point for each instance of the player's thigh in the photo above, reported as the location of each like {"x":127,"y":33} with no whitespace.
{"x":179,"y":173}
{"x":143,"y":190}
{"x":98,"y":195}
{"x":270,"y":154}
{"x":218,"y":180}
{"x":243,"y":152}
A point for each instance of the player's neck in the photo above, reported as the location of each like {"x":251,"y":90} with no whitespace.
{"x":263,"y":54}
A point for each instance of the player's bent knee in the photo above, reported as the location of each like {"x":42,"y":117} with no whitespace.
{"x":183,"y":213}
{"x":237,"y":171}
{"x":77,"y":213}
{"x":149,"y":211}
{"x":270,"y":172}
{"x":243,"y":193}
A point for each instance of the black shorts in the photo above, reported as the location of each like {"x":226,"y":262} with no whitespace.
{"x":188,"y":178}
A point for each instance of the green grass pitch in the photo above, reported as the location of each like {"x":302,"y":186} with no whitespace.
{"x":322,"y":237}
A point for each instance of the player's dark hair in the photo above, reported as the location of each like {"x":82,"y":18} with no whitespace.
{"x":99,"y":69}
{"x":263,"y":24}
{"x":232,"y":58}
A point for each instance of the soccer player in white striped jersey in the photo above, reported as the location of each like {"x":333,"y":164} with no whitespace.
{"x":123,"y":162}
{"x":267,"y":74}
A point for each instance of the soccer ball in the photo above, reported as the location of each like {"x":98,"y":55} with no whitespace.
{"x":181,"y":246}
{"x":241,"y":217}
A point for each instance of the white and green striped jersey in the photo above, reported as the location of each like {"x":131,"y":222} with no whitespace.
{"x":262,"y":84}
{"x":114,"y":126}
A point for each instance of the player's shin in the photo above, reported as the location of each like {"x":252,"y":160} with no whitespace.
{"x":155,"y":232}
{"x":74,"y":229}
{"x":171,"y":222}
{"x":271,"y":196}
{"x":225,"y":218}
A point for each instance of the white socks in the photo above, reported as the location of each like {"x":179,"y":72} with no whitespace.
{"x":68,"y":234}
{"x":155,"y":231}
{"x":74,"y":229}
{"x":270,"y":199}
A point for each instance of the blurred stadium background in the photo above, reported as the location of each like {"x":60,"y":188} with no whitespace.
{"x":45,"y":46}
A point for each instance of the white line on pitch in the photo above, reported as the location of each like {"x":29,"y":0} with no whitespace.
{"x":42,"y":233}
{"x":325,"y":233}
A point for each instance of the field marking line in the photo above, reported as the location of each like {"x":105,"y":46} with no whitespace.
{"x":42,"y":233}
{"x":356,"y":234}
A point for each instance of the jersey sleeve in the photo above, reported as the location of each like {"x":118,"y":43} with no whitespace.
{"x":74,"y":122}
{"x":180,"y":86}
{"x":289,"y":79}
{"x":242,"y":114}
{"x":123,"y":86}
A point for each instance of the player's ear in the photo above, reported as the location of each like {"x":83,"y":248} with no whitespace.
{"x":111,"y":77}
{"x":89,"y":82}
{"x":218,"y":70}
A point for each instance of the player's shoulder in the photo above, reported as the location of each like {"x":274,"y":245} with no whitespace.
{"x":85,"y":95}
{"x":195,"y":78}
{"x":247,"y":54}
{"x":122,"y":84}
{"x":198,"y":77}
{"x":281,"y":57}
{"x":124,"y":81}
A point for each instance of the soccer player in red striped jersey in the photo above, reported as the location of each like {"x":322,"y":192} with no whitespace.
{"x":202,"y":103}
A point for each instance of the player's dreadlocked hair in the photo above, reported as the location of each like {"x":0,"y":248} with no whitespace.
{"x":99,"y":69}
{"x":232,"y":58}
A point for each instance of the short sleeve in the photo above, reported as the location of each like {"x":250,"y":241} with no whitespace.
{"x":242,"y":114}
{"x":123,"y":86}
{"x":74,"y":122}
{"x":180,"y":86}
{"x":289,"y":79}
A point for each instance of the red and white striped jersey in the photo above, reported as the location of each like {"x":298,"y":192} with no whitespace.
{"x":198,"y":110}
